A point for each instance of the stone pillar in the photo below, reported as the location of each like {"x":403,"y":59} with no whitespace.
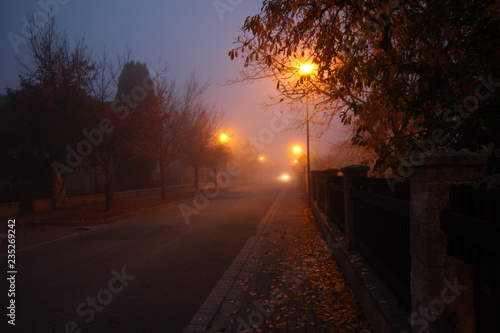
{"x":349,"y":173}
{"x":442,"y":287}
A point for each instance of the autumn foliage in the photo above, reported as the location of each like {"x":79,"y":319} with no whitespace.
{"x":408,"y":76}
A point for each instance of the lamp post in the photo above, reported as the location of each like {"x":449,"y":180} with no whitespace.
{"x":306,"y":70}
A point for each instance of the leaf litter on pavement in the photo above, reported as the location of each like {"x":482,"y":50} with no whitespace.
{"x":313,"y":290}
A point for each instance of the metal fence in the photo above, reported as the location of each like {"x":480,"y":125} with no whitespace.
{"x":382,"y":230}
{"x":472,"y":225}
{"x":381,"y":218}
{"x":335,"y":204}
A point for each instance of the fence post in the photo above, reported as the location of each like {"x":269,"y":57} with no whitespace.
{"x":329,"y":173}
{"x":314,"y":185}
{"x":441,"y":286}
{"x":349,"y":173}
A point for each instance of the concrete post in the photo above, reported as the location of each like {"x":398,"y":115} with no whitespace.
{"x":441,"y":286}
{"x":349,"y":173}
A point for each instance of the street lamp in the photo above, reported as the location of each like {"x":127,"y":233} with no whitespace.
{"x":296,"y":149}
{"x":306,"y":71}
{"x":223,"y":137}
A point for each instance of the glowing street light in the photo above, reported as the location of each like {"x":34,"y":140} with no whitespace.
{"x":297,"y":149}
{"x":223,"y":137}
{"x":306,"y":69}
{"x":262,"y":158}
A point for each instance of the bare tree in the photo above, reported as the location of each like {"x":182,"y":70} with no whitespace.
{"x":108,"y":150}
{"x":201,"y":126}
{"x":62,"y":74}
{"x":218,"y":152}
{"x":171,"y":141}
{"x":129,"y":125}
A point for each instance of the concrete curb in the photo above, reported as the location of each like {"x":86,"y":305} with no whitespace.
{"x":379,"y":304}
{"x":224,"y":297}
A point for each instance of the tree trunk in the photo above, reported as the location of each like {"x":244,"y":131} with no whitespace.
{"x":110,"y":188}
{"x":58,"y":191}
{"x":163,"y":180}
{"x":196,"y":176}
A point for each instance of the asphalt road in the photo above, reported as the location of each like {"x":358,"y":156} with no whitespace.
{"x":148,"y":274}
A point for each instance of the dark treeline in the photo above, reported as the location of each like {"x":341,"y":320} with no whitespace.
{"x":76,"y":113}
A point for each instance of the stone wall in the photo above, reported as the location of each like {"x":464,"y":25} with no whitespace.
{"x":9,"y":210}
{"x":442,"y":287}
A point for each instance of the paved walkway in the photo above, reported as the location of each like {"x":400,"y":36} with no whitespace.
{"x":284,"y":279}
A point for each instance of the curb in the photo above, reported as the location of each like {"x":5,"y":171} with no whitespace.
{"x":379,"y":304}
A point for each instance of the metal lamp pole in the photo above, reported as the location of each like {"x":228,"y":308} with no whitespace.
{"x":306,"y":69}
{"x":308,"y":153}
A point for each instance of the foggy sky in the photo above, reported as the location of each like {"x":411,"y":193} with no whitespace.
{"x":189,"y":35}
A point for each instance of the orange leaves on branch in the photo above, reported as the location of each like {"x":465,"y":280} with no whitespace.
{"x":390,"y":51}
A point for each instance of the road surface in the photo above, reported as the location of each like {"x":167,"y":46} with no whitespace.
{"x":148,"y":274}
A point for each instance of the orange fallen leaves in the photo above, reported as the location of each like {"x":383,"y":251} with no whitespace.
{"x":313,"y":280}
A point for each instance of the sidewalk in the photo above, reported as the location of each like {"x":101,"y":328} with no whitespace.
{"x":283,"y":280}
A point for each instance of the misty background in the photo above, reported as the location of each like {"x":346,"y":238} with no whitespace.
{"x":189,"y":36}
